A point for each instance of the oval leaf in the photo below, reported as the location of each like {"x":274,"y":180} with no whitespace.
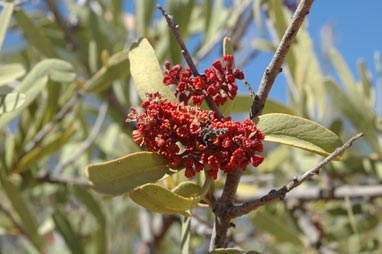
{"x":243,"y":103}
{"x":34,"y":82}
{"x":5,"y":17}
{"x":146,"y":72}
{"x":122,"y":175}
{"x":64,"y":227}
{"x":159,"y":199}
{"x":187,"y":189}
{"x":117,"y":68}
{"x":298,"y":132}
{"x":35,"y":36}
{"x":10,"y":72}
{"x":11,"y":101}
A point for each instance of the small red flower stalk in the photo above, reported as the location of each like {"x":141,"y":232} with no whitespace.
{"x":194,"y":136}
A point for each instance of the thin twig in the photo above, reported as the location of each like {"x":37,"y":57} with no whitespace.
{"x":249,"y":88}
{"x":62,"y":24}
{"x":316,"y":194}
{"x":175,"y":31}
{"x":61,"y":180}
{"x":186,"y":54}
{"x":88,"y":142}
{"x":274,"y":68}
{"x":247,"y":207}
{"x":49,"y":126}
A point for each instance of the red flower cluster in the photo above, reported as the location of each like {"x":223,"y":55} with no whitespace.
{"x":196,"y":137}
{"x":217,"y":82}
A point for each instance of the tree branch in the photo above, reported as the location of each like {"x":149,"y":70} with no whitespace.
{"x":315,"y":193}
{"x":186,"y":54}
{"x":88,"y":142}
{"x":247,"y":207}
{"x":274,"y":68}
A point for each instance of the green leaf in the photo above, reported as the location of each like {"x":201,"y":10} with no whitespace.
{"x":346,"y":76}
{"x":10,"y":72}
{"x":298,"y":132}
{"x":159,"y":199}
{"x":91,"y":204}
{"x":26,"y":215}
{"x":361,"y":120}
{"x":264,"y":45}
{"x":144,"y":12}
{"x":122,"y":175}
{"x":226,"y":109}
{"x":117,"y":68}
{"x":11,"y":101}
{"x":366,"y":83}
{"x":185,"y":235}
{"x":243,"y":103}
{"x":275,"y":226}
{"x":231,"y":251}
{"x":66,"y":230}
{"x":146,"y":72}
{"x":187,"y":189}
{"x":35,"y":35}
{"x":5,"y":18}
{"x":34,"y":156}
{"x":34,"y":82}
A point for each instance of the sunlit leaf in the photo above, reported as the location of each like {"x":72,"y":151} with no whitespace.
{"x":11,"y":101}
{"x":117,"y":68}
{"x":298,"y":132}
{"x":10,"y":72}
{"x":159,"y":199}
{"x":35,"y":35}
{"x":35,"y":81}
{"x":146,"y":72}
{"x":361,"y":120}
{"x":5,"y":18}
{"x":122,"y":175}
{"x":187,"y":189}
{"x":144,"y":10}
{"x":263,"y":45}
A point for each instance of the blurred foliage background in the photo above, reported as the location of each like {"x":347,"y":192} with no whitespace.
{"x":64,"y":97}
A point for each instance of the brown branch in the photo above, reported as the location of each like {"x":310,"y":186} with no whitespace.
{"x":186,"y":54}
{"x":62,"y":24}
{"x":247,"y":207}
{"x":222,"y":221}
{"x":274,"y":68}
{"x":316,"y":194}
